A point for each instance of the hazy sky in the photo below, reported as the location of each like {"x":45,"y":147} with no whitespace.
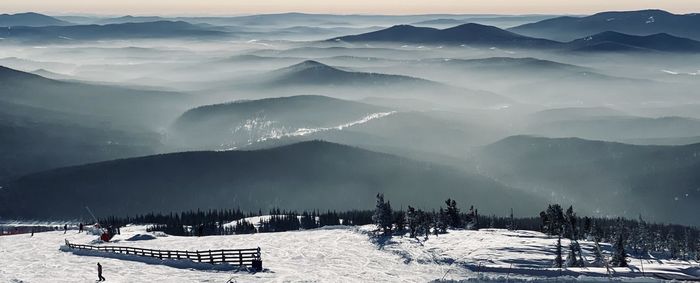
{"x":192,"y":7}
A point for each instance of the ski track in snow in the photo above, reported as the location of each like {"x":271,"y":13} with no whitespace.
{"x":329,"y":254}
{"x":252,"y":126}
{"x":308,"y":131}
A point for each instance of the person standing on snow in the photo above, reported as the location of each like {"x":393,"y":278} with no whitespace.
{"x":99,"y":273}
{"x":65,"y":228}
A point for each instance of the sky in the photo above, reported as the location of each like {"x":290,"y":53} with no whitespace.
{"x":236,"y":7}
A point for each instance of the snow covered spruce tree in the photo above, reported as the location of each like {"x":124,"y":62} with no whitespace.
{"x":441,"y":222}
{"x":558,"y":261}
{"x":453,"y":219}
{"x":575,"y":256}
{"x":472,"y":219}
{"x":671,"y":244}
{"x":687,"y":253}
{"x":383,"y":215}
{"x":426,"y":222}
{"x":412,"y":221}
{"x":641,"y":240}
{"x":511,"y":221}
{"x":619,"y":257}
{"x":400,"y":222}
{"x":598,"y":258}
{"x":552,"y":220}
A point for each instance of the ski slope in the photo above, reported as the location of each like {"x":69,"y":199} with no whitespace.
{"x":329,"y":254}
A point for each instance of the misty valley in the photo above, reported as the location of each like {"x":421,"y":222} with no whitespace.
{"x":314,"y":123}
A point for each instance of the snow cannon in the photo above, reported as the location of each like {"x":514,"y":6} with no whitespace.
{"x":105,"y":237}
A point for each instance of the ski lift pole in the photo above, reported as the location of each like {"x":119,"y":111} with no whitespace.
{"x":93,"y":215}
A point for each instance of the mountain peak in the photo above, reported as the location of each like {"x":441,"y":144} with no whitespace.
{"x":402,"y":27}
{"x":473,"y":26}
{"x":308,"y":65}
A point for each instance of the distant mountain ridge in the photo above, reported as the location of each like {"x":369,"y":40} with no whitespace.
{"x":308,"y":175}
{"x":315,"y":73}
{"x":99,"y":101}
{"x":644,"y":22}
{"x":29,"y":20}
{"x":310,"y":76}
{"x":45,"y":123}
{"x":608,"y":177}
{"x":475,"y":34}
{"x":470,"y":34}
{"x":159,"y":29}
{"x":615,"y":41}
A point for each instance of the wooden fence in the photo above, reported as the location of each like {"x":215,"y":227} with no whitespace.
{"x":241,"y":257}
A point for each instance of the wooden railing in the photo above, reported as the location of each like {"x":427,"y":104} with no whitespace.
{"x":241,"y":257}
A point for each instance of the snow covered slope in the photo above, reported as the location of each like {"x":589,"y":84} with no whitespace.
{"x":331,"y":254}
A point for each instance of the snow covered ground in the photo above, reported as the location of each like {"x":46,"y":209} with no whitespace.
{"x":330,"y":254}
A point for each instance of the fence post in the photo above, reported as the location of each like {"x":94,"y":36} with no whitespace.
{"x":240,"y":258}
{"x":223,"y":256}
{"x":199,"y":257}
{"x":211,"y":258}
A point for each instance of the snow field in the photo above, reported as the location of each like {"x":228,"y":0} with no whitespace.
{"x":329,"y":254}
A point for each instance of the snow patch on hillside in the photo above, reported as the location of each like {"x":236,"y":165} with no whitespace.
{"x":308,"y":131}
{"x":260,"y":129}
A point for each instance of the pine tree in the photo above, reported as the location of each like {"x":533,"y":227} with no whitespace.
{"x":687,"y":249}
{"x":658,"y":242}
{"x":619,"y":258}
{"x":575,"y":257}
{"x":598,"y":259}
{"x":441,"y":223}
{"x":552,"y":219}
{"x":308,"y":221}
{"x":454,"y":220}
{"x":671,"y":245}
{"x":400,"y":221}
{"x":472,"y":219}
{"x":697,"y":248}
{"x":587,"y":228}
{"x":642,"y":238}
{"x":511,"y":221}
{"x":383,"y":215}
{"x":412,"y":221}
{"x":426,"y":223}
{"x":558,"y":262}
{"x":570,"y":224}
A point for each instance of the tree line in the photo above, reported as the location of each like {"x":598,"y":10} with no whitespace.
{"x":627,"y":236}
